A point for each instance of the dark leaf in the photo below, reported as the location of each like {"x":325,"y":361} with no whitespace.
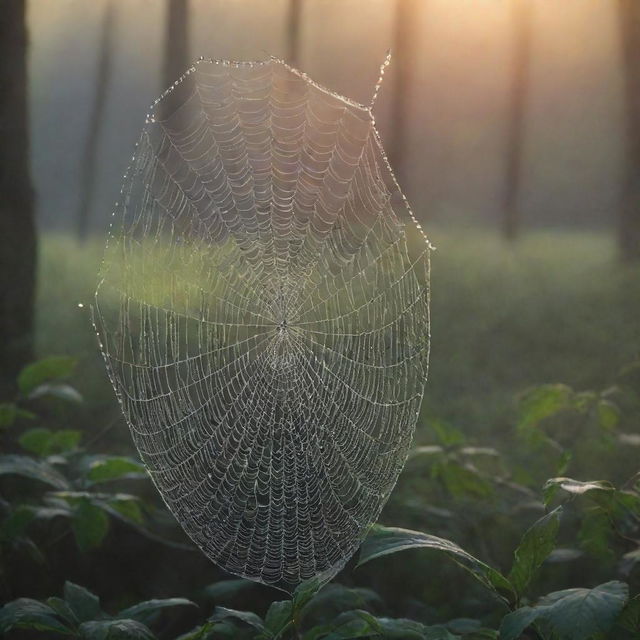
{"x":32,"y":469}
{"x":536,"y":544}
{"x":25,"y":613}
{"x":90,"y":524}
{"x":115,"y":630}
{"x":144,"y":611}
{"x":84,"y":604}
{"x":572,"y":614}
{"x":382,"y":541}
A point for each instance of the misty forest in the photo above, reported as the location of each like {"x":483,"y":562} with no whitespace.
{"x":319,"y":319}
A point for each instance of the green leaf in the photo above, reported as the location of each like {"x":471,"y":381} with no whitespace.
{"x":203,"y":632}
{"x":25,"y":613}
{"x":61,"y":391}
{"x":115,"y":468}
{"x":36,"y":440}
{"x":536,"y":544}
{"x":306,"y":591}
{"x":573,"y":487}
{"x":84,"y":604}
{"x":52,"y":368}
{"x":382,"y":541}
{"x":608,"y":415}
{"x":90,"y":524}
{"x":630,"y":617}
{"x":128,"y":507}
{"x":227,"y":589}
{"x":404,"y":629}
{"x":542,"y":402}
{"x":279,"y":616}
{"x":33,"y":469}
{"x":336,"y":598}
{"x":248,"y":617}
{"x":63,"y":610}
{"x":572,"y":614}
{"x":16,"y":523}
{"x":145,"y":611}
{"x":44,"y":442}
{"x":115,"y":630}
{"x":351,"y":624}
{"x":10,"y":412}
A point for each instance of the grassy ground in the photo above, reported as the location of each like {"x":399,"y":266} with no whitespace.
{"x":556,"y":307}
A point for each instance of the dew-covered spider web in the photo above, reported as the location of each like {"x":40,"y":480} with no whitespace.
{"x":263,"y":313}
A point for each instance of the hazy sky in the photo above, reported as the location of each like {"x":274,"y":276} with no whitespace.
{"x":454,"y":163}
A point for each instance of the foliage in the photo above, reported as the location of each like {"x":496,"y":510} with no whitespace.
{"x":556,"y":556}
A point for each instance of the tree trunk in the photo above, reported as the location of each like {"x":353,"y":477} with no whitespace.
{"x":176,"y":49}
{"x":293,"y":32}
{"x":520,"y":64}
{"x":629,"y":219}
{"x":17,"y":223}
{"x":406,"y":15}
{"x":88,"y":170}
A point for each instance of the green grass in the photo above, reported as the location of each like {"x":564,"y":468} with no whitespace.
{"x":555,"y":307}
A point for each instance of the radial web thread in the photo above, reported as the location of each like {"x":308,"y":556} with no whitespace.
{"x":264,"y":317}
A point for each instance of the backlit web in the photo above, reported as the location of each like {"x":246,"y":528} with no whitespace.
{"x":264,"y":317}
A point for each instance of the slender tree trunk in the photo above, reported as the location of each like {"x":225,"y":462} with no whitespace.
{"x":177,"y":55}
{"x":293,"y":32}
{"x":88,"y":170}
{"x":17,"y":220}
{"x":520,"y":66}
{"x":403,"y":51}
{"x":629,"y":219}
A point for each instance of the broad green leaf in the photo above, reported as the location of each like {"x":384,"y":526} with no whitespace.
{"x":351,"y":624}
{"x":44,"y":442}
{"x":144,"y":611}
{"x":595,"y":533}
{"x":33,"y":469}
{"x":128,"y":507}
{"x":573,"y":487}
{"x":204,"y":632}
{"x":114,"y":468}
{"x":227,"y":589}
{"x":90,"y":524}
{"x":25,"y":613}
{"x":404,"y":629}
{"x":52,"y":368}
{"x":542,"y":402}
{"x":382,"y":541}
{"x":572,"y":614}
{"x":279,"y":616}
{"x":336,"y":598}
{"x":115,"y":630}
{"x":16,"y":523}
{"x":630,"y":617}
{"x":84,"y":604}
{"x":63,"y":609}
{"x":536,"y":544}
{"x":36,"y":440}
{"x":248,"y":617}
{"x":608,"y":415}
{"x":61,"y":391}
{"x":10,"y":412}
{"x":307,"y":591}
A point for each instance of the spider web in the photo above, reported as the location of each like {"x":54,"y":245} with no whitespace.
{"x":264,"y":317}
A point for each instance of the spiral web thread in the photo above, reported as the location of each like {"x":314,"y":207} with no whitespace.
{"x":264,"y":318}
